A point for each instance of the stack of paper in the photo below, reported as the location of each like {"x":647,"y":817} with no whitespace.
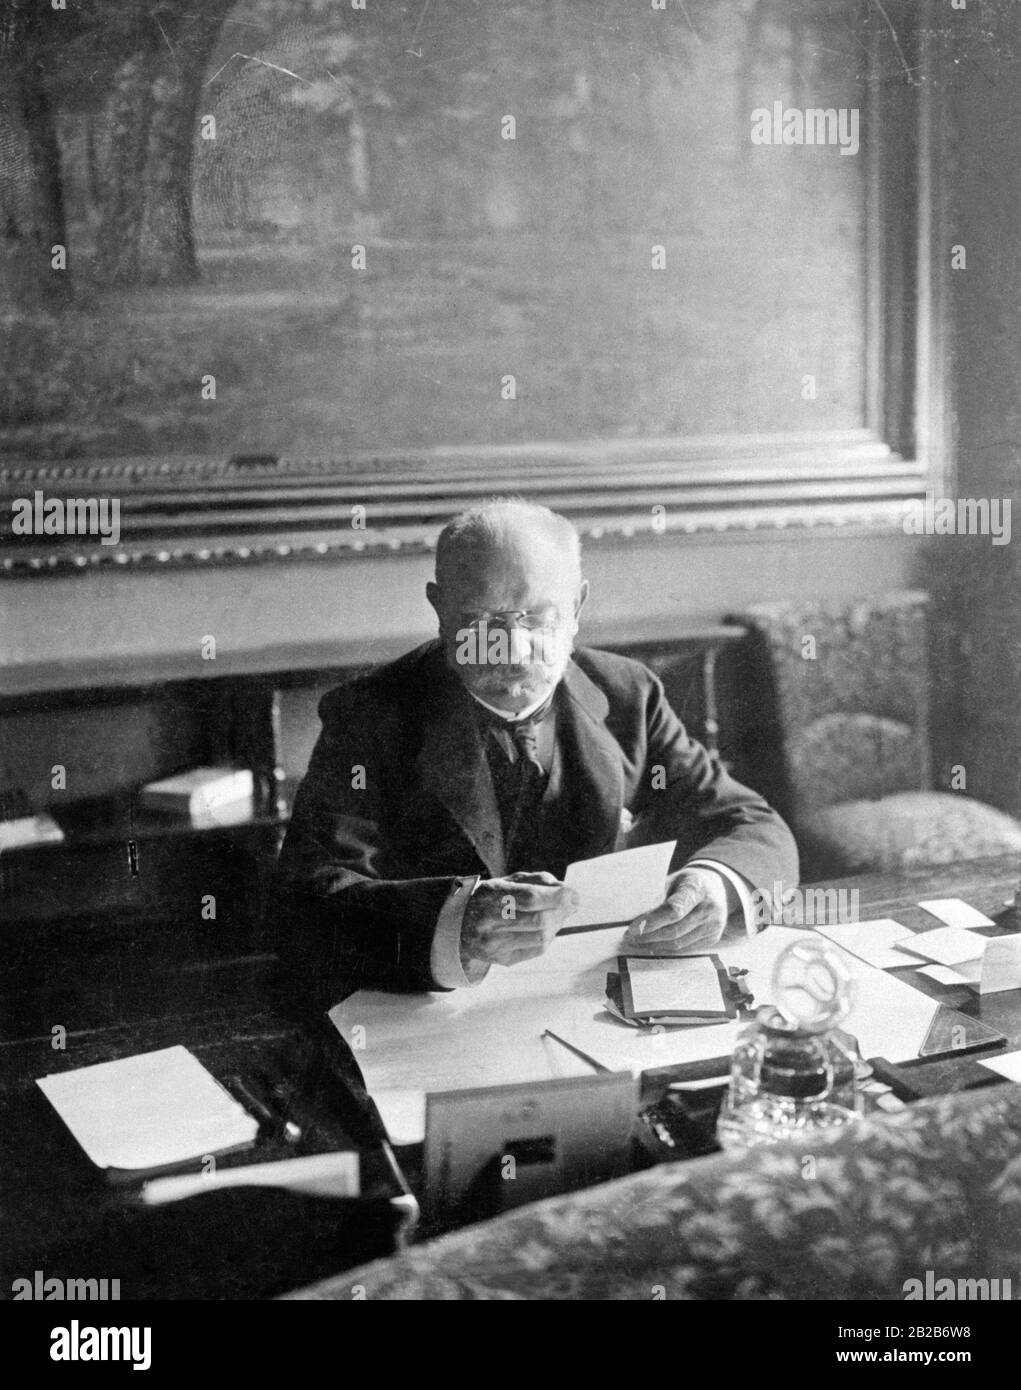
{"x":209,"y":795}
{"x":148,"y":1111}
{"x":992,"y":966}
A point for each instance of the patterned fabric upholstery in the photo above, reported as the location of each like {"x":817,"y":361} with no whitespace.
{"x":859,"y":753}
{"x":935,"y":1187}
{"x":850,"y":695}
{"x":905,"y":831}
{"x":845,"y":699}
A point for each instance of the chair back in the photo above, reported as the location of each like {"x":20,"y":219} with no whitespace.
{"x":842,"y":691}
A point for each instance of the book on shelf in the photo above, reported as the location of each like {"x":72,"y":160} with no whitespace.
{"x":25,"y":831}
{"x":203,"y":793}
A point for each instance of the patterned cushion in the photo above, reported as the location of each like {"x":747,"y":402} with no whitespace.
{"x":851,"y":757}
{"x":904,"y":831}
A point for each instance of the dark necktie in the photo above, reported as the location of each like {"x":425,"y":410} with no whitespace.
{"x":526,"y":741}
{"x":519,"y":741}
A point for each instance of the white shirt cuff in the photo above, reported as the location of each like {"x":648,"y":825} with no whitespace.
{"x":739,"y":885}
{"x":445,"y":955}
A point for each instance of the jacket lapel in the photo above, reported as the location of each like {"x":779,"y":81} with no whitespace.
{"x":592,"y":760}
{"x":453,"y":766}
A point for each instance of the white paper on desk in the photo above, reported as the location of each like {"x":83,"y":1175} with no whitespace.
{"x":1000,"y":966}
{"x":995,"y":971}
{"x":943,"y":974}
{"x":1008,"y":1064}
{"x":492,"y":1033}
{"x":685,"y":984}
{"x":956,"y":913}
{"x":403,"y":1114}
{"x":317,"y":1175}
{"x":889,"y":1017}
{"x":617,"y":887}
{"x":946,"y":945}
{"x":872,"y":942}
{"x":147,"y":1111}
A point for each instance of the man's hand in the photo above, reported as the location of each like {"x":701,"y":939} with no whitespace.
{"x":691,"y":919}
{"x":514,"y":918}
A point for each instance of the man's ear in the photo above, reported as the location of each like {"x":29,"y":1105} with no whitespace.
{"x":582,"y":596}
{"x":432,"y":593}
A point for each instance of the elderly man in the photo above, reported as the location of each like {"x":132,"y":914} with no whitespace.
{"x":449,"y":791}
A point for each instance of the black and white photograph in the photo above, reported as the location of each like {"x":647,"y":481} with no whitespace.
{"x":510,"y":660}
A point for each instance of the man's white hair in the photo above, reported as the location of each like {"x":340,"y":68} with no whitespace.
{"x":493,"y":523}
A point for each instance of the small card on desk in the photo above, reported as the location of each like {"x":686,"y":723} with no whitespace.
{"x":955,"y":913}
{"x":674,"y":990}
{"x":944,"y":945}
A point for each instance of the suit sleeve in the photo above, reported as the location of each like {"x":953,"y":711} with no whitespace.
{"x":685,"y":795}
{"x":342,"y":923}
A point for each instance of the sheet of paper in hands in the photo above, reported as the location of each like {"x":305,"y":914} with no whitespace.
{"x":616,"y":887}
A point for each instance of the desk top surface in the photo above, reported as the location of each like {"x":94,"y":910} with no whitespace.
{"x":132,"y":996}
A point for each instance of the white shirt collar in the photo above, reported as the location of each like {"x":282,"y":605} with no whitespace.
{"x":507,"y":716}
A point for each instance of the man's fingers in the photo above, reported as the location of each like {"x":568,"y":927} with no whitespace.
{"x":690,"y":927}
{"x":508,"y":950}
{"x":698,"y":932}
{"x":685,"y":899}
{"x":680,"y":905}
{"x":526,"y":953}
{"x":537,"y":924}
{"x":540,"y":898}
{"x":649,"y":922}
{"x":689,"y":947}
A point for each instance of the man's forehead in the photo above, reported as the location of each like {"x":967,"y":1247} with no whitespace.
{"x":532,"y":562}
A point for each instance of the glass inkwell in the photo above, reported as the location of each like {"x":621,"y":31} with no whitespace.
{"x":794,"y":1071}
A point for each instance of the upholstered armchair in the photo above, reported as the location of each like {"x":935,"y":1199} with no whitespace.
{"x":841,"y":703}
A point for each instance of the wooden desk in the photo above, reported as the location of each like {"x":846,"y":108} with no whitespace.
{"x":61,"y":1215}
{"x":58,"y":1211}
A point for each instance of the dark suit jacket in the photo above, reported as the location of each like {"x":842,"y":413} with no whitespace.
{"x":398,"y":801}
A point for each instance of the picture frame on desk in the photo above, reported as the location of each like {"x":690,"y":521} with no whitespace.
{"x":491,"y":1148}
